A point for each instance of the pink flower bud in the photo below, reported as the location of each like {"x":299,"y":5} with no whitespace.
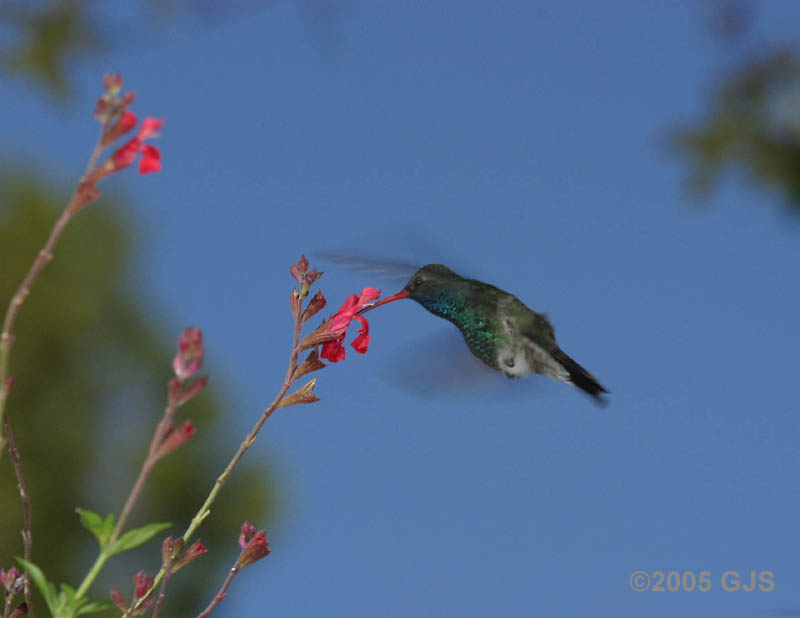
{"x":11,"y":580}
{"x":248,"y":532}
{"x":189,"y":358}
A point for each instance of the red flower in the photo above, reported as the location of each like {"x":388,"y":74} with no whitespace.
{"x":333,"y":350}
{"x":151,"y":157}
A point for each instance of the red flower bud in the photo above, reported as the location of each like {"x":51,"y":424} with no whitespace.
{"x":124,"y":123}
{"x":142,"y":583}
{"x":195,"y":551}
{"x":255,"y":549}
{"x":315,"y":305}
{"x":116,"y":597}
{"x":176,"y":438}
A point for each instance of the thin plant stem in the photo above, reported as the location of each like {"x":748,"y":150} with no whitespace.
{"x":223,"y":591}
{"x":42,"y":259}
{"x":27,"y":537}
{"x":162,"y":593}
{"x":204,"y":510}
{"x":144,"y":474}
{"x":147,"y":468}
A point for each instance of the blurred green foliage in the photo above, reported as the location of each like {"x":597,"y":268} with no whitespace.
{"x":90,"y":364}
{"x":753,"y":126}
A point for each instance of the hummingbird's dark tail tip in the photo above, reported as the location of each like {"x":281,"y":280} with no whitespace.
{"x":582,"y":379}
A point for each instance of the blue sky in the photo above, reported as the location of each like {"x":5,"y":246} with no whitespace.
{"x":523,"y":144}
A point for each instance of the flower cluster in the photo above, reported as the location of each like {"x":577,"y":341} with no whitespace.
{"x":333,"y":350}
{"x":172,"y":556}
{"x":12,"y":581}
{"x":254,"y":545}
{"x":332,"y":332}
{"x":111,"y":111}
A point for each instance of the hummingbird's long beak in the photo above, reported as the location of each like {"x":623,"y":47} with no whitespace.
{"x":383,"y":301}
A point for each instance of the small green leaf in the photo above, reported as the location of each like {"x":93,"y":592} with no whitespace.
{"x":95,"y":606}
{"x":137,"y":536}
{"x":47,"y":589}
{"x":99,"y":527}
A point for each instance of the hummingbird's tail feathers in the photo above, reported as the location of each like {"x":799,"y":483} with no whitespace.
{"x":581,"y":378}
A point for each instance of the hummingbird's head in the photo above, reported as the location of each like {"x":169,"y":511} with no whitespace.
{"x":427,"y":280}
{"x":423,"y":284}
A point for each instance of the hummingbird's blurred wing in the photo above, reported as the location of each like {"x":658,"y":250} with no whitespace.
{"x":438,"y":365}
{"x":372,"y":267}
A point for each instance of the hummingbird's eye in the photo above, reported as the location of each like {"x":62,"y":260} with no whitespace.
{"x":417,"y":282}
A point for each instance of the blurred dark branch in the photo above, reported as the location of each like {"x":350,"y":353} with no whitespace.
{"x":27,"y":537}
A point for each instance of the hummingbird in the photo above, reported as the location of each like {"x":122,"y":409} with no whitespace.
{"x":499,"y":329}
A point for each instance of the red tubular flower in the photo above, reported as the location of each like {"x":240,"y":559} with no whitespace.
{"x":333,"y":350}
{"x":151,"y":157}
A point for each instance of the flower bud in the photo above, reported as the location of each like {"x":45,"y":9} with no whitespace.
{"x":189,"y":358}
{"x":256,"y":549}
{"x":248,"y":532}
{"x":176,"y":438}
{"x":194,"y":551}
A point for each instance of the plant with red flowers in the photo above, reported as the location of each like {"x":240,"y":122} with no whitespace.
{"x":110,"y":531}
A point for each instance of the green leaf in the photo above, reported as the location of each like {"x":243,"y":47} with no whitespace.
{"x":47,"y":589}
{"x":95,"y":606}
{"x":137,"y":536}
{"x":99,"y":527}
{"x":69,"y":601}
